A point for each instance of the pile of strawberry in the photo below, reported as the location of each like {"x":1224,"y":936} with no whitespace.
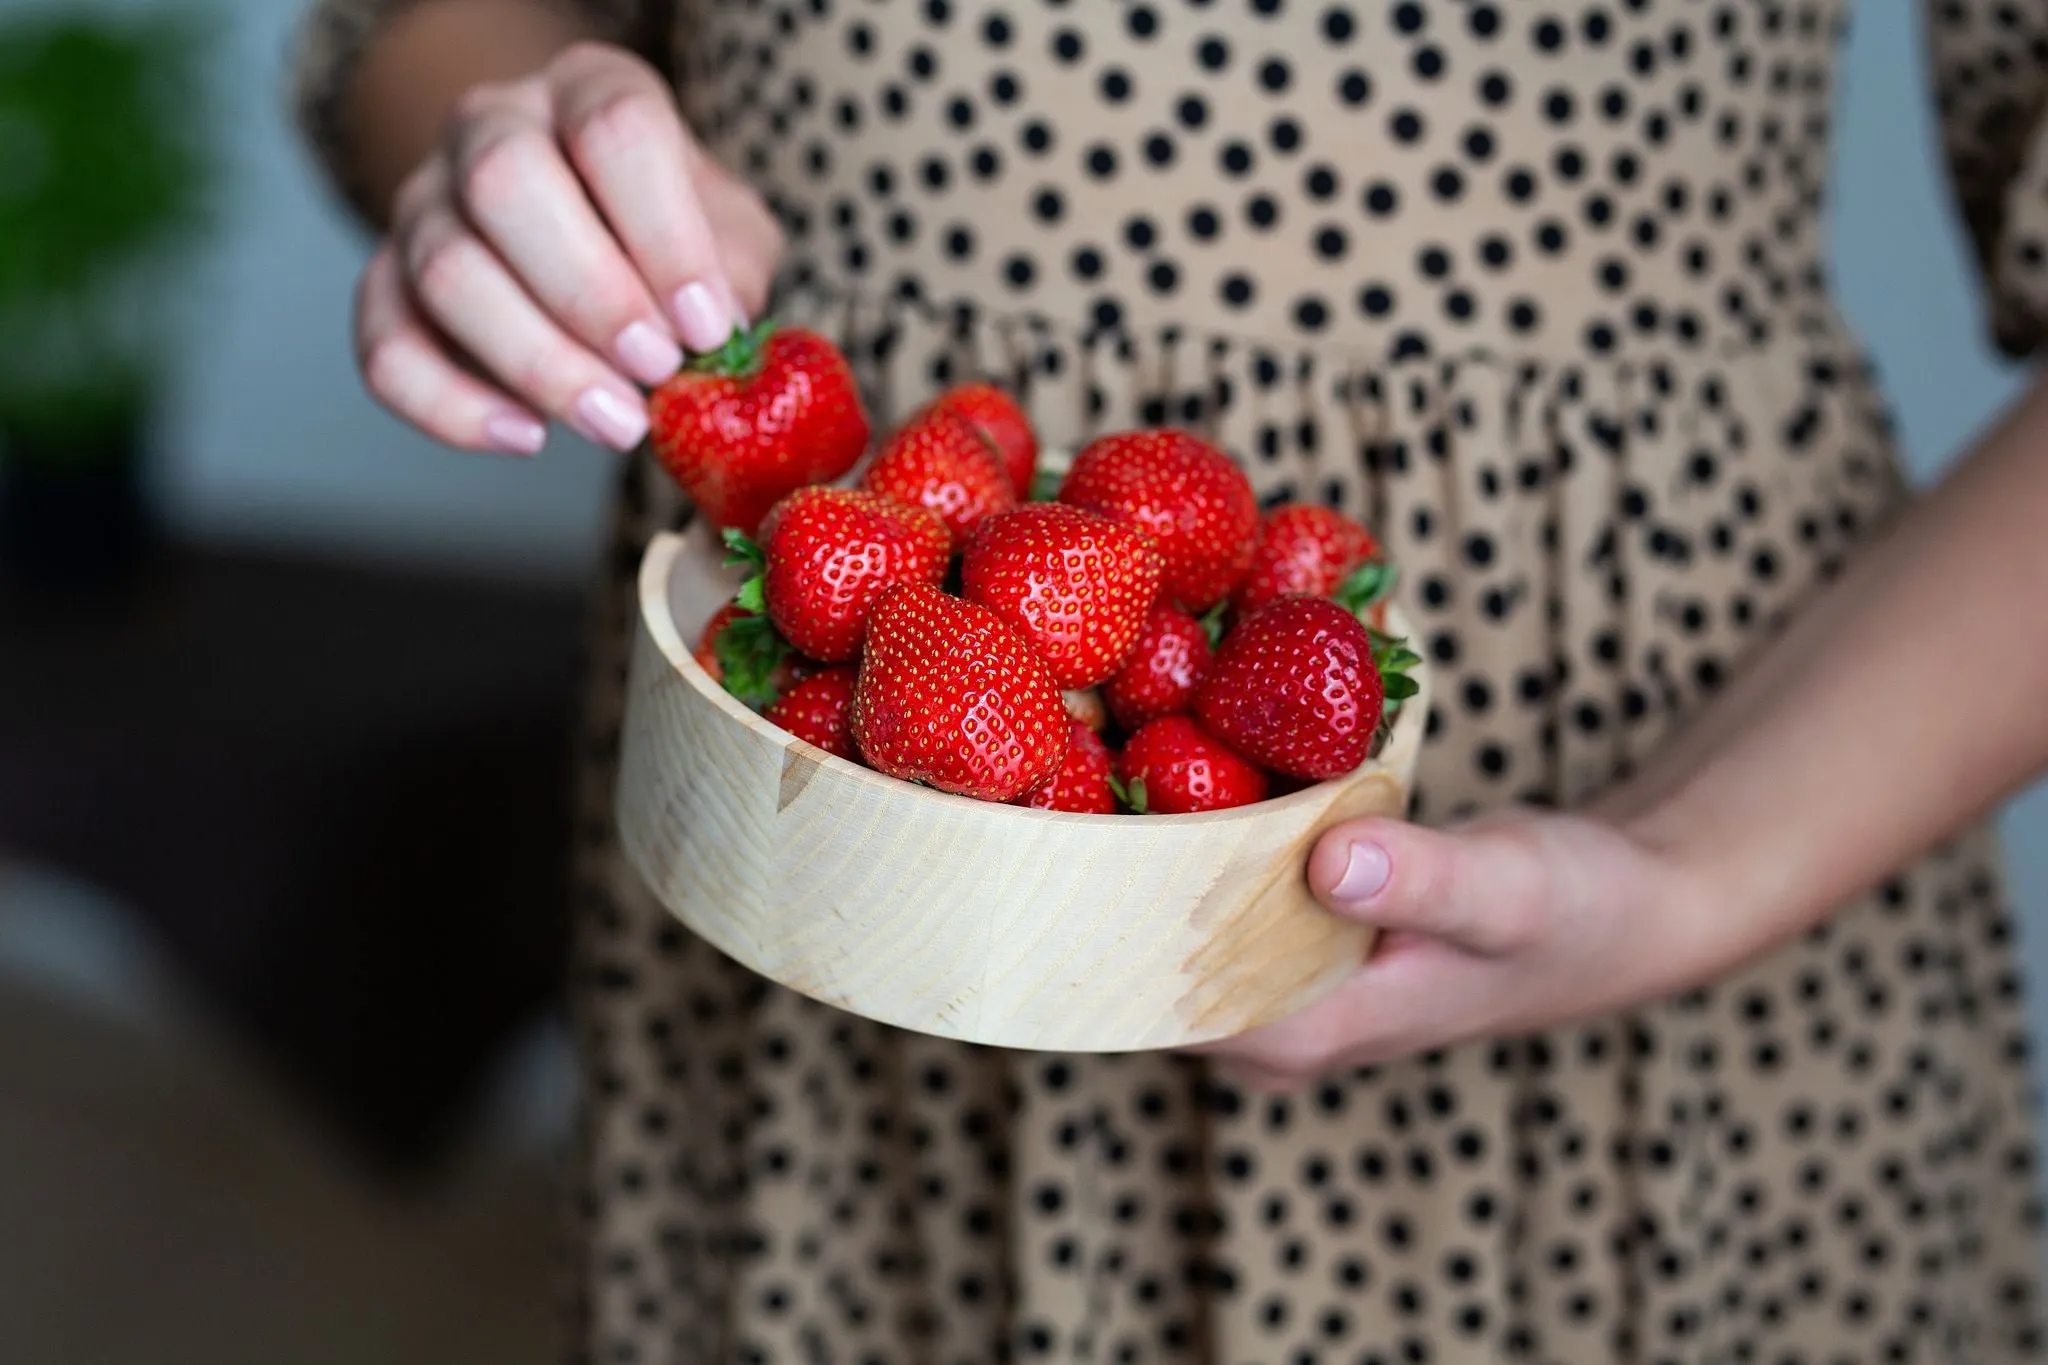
{"x":1134,"y":635}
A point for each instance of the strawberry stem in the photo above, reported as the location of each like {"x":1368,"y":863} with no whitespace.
{"x":1212,"y":623}
{"x":739,"y":357}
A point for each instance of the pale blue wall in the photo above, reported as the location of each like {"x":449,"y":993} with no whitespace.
{"x":1907,"y":286}
{"x":274,"y":440}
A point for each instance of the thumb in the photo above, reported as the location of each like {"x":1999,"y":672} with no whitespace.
{"x":1480,"y":889}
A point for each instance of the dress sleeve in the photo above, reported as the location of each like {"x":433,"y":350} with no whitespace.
{"x":1990,"y":70}
{"x":334,"y":35}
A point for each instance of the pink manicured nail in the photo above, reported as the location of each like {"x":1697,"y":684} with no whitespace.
{"x":647,"y":355}
{"x":604,"y":416}
{"x":705,"y":323}
{"x":515,"y":434}
{"x":1366,"y":870}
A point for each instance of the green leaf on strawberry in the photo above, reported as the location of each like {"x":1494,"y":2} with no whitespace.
{"x":1131,"y":794}
{"x":1045,"y":485}
{"x":739,"y":356}
{"x":1212,"y":623}
{"x":1365,"y":587}
{"x":741,"y":548}
{"x":1392,"y":657}
{"x":749,"y":652}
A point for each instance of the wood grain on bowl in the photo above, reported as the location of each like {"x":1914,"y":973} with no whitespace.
{"x":992,"y":924}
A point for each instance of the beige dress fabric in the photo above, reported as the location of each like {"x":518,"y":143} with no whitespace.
{"x":1538,"y":289}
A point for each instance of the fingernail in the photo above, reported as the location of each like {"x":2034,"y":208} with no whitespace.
{"x":515,"y":434}
{"x":604,"y":416}
{"x":704,"y":322}
{"x":647,"y":355}
{"x":1366,"y":869}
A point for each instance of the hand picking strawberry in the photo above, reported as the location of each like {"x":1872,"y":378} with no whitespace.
{"x":773,"y":410}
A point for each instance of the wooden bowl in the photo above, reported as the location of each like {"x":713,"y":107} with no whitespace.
{"x":992,"y":924}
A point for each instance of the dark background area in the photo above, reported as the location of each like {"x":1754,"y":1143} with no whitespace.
{"x":337,"y":795}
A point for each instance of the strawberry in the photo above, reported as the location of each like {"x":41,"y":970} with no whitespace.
{"x":1171,"y":767}
{"x":818,"y":710}
{"x":1000,"y":419}
{"x":825,"y":556}
{"x":771,"y":411}
{"x":950,"y":696}
{"x":1301,"y":548}
{"x":742,"y":651}
{"x":942,"y":461}
{"x":1187,"y":494}
{"x":1074,"y":584}
{"x":1082,"y":783}
{"x":1165,"y":666}
{"x":1294,"y":687}
{"x":1085,"y":705}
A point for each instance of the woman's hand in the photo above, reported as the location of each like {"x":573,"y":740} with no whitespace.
{"x":567,"y":239}
{"x":1506,"y":925}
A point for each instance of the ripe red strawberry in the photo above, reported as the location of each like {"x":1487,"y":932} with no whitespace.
{"x":1082,"y":783}
{"x":1302,"y":548}
{"x":1187,"y":494}
{"x":771,"y":411}
{"x":819,"y":709}
{"x":1294,"y":687}
{"x":1003,"y":422}
{"x":1171,"y":767}
{"x":1074,"y":584}
{"x":825,"y":556}
{"x":951,"y":697}
{"x":1165,"y":667}
{"x":942,"y":461}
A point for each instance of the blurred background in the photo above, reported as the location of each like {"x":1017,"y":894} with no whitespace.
{"x":283,"y":697}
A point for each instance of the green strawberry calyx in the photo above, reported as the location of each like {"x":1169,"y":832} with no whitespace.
{"x":739,"y":357}
{"x":1045,"y":485}
{"x":1392,"y":657}
{"x":750,"y":649}
{"x":1365,"y":587}
{"x":1211,"y":622}
{"x":1131,"y":794}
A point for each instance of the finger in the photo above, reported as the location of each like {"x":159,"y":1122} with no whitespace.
{"x":523,"y":199}
{"x":408,"y":370}
{"x":1251,"y":1076}
{"x":466,"y":291}
{"x":627,"y":142}
{"x":1419,"y":994}
{"x":750,"y":243}
{"x":1479,"y":889}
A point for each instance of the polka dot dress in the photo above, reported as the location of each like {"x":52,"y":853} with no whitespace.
{"x":1538,"y":290}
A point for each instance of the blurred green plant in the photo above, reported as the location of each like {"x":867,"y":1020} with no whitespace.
{"x":107,"y":179}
